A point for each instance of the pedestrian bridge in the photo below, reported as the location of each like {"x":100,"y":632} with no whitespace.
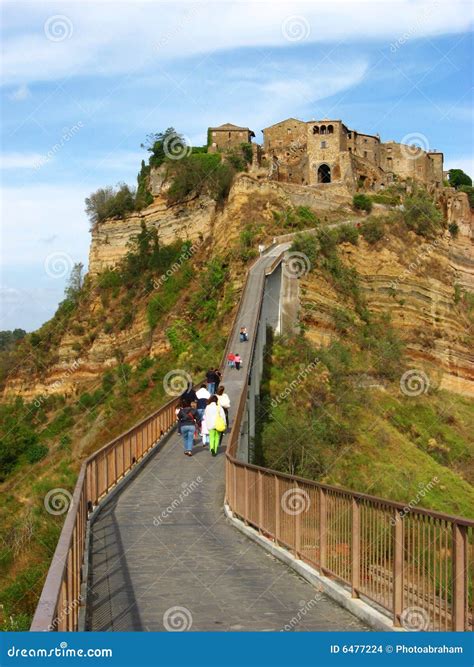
{"x":156,"y":541}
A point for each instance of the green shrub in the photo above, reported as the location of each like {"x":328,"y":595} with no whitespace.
{"x":453,"y":229}
{"x":247,"y":152}
{"x":36,"y":453}
{"x":126,"y":320}
{"x":362,"y":202}
{"x":343,"y":320}
{"x":110,"y":202}
{"x":308,"y":244}
{"x":200,"y":174}
{"x":386,"y":198}
{"x":348,"y":234}
{"x":372,"y":230}
{"x":457,"y":178}
{"x":469,"y":190}
{"x":421,"y":215}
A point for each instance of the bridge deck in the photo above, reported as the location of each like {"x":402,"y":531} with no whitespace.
{"x":146,"y":559}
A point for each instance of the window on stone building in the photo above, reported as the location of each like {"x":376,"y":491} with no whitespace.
{"x":323,"y":144}
{"x":288,"y":130}
{"x":365,"y":153}
{"x":322,"y":129}
{"x":330,"y":129}
{"x":350,"y":149}
{"x":213,"y":134}
{"x":315,"y":129}
{"x":365,"y":141}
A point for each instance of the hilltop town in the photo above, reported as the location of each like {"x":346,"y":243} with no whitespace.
{"x":328,"y":152}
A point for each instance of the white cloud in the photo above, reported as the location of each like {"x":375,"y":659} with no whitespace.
{"x":20,"y":160}
{"x":133,"y":35}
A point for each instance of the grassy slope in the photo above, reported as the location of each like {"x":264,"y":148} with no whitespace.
{"x":72,"y":428}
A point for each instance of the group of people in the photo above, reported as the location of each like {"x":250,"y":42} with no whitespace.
{"x":203,"y":414}
{"x":235,"y":360}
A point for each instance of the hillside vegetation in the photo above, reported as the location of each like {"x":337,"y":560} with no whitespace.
{"x":178,"y":300}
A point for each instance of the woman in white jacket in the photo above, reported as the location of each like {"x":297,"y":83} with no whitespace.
{"x":210,"y":415}
{"x":224,"y":401}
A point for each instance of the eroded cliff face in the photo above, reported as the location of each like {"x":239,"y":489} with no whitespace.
{"x":413,"y":280}
{"x":418,"y":282}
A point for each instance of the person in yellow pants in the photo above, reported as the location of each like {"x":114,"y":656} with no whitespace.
{"x":215,"y":416}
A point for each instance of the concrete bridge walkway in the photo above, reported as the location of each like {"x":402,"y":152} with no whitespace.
{"x":163,"y":556}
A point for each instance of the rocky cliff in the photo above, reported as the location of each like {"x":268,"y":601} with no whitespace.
{"x":420,"y":283}
{"x":415,"y":281}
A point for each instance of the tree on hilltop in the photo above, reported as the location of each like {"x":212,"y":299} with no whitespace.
{"x":458,"y":177}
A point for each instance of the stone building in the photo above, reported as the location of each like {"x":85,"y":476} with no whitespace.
{"x":327,"y":151}
{"x":228,"y":136}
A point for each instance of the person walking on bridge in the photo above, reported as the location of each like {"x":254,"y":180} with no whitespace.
{"x":223,"y":401}
{"x":189,"y":421}
{"x":215,"y":423}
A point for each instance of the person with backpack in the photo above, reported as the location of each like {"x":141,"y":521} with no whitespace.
{"x":188,"y":422}
{"x":215,"y":423}
{"x":231,"y":360}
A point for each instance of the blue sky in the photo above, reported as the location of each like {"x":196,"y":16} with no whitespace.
{"x":84,"y":82}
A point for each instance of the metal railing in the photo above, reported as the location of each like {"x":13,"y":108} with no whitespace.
{"x":418,"y":563}
{"x":60,"y":601}
{"x":414,"y":563}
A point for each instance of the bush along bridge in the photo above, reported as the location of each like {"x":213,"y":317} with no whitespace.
{"x":155,"y":542}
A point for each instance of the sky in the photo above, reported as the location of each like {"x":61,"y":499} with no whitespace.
{"x":84,"y":82}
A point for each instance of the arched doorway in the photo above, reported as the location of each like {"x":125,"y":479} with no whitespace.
{"x":324,"y":173}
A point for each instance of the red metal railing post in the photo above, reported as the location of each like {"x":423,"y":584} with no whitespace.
{"x":277,"y":509}
{"x":355,"y":548}
{"x":260,"y":500}
{"x":298,"y":529}
{"x":323,"y":537}
{"x":398,"y":548}
{"x":459,"y":577}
